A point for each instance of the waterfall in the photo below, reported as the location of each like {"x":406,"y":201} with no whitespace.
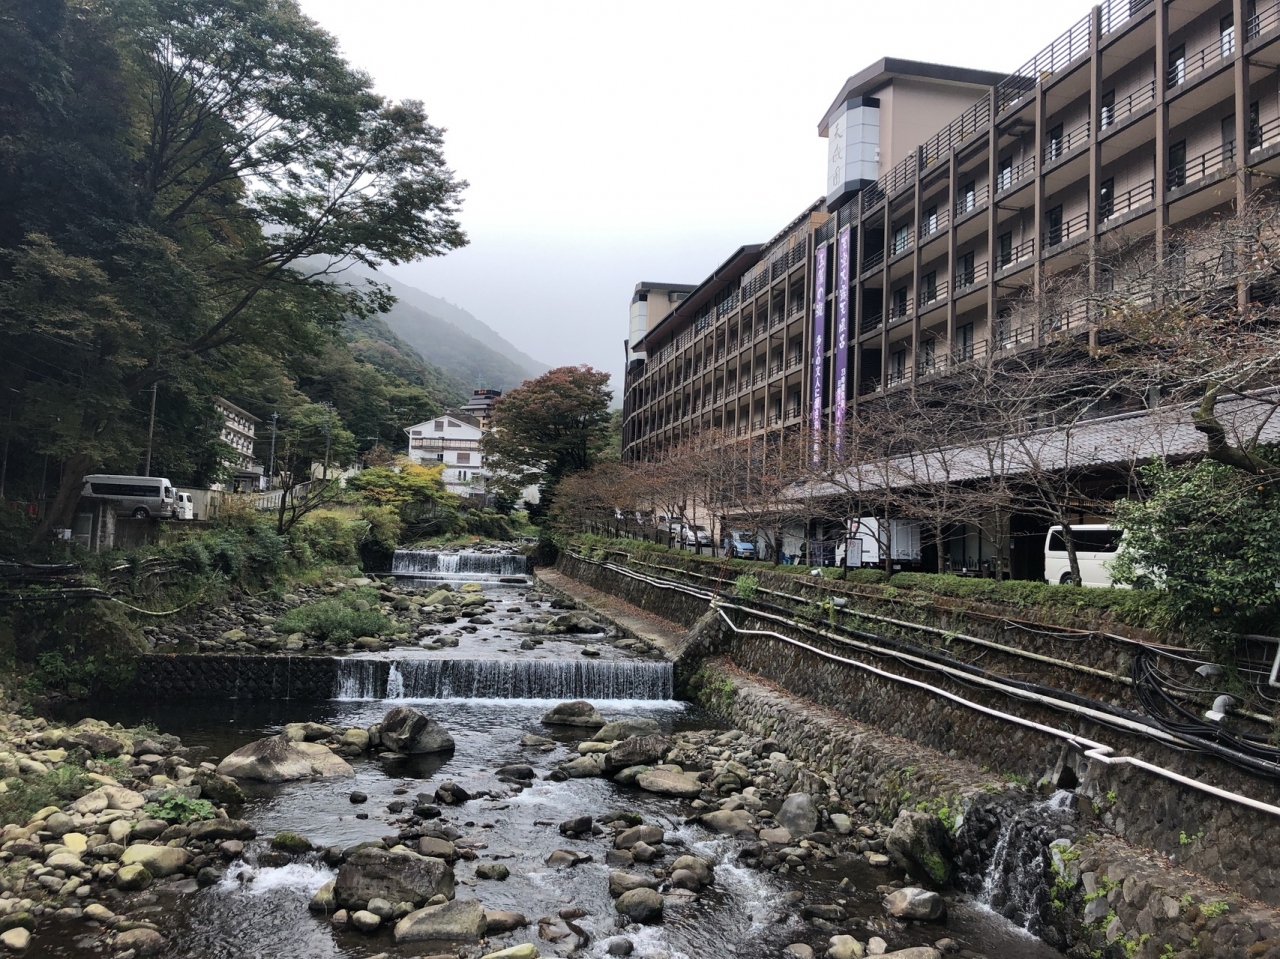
{"x":502,"y":679}
{"x":1019,"y":875}
{"x":430,"y":564}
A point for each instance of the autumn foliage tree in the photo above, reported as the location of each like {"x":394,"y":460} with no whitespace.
{"x":547,"y":429}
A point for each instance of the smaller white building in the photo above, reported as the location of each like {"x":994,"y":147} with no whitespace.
{"x":454,"y":440}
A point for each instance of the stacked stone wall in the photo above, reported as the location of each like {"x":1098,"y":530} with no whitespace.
{"x":211,"y":676}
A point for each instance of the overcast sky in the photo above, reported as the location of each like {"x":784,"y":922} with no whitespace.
{"x":609,"y":142}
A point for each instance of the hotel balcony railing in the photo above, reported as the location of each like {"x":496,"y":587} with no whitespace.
{"x":898,"y":310}
{"x":776,"y":368}
{"x":1203,"y":59}
{"x":968,"y":352}
{"x":972,"y":201}
{"x":1006,"y":178}
{"x":720,"y":354}
{"x":1008,"y":338}
{"x":1057,"y":55}
{"x":1066,"y":231}
{"x":431,"y":443}
{"x":930,"y":225}
{"x":794,"y":361}
{"x":777,"y":319}
{"x":1197,"y":168}
{"x":759,"y":377}
{"x":929,"y":364}
{"x":1073,"y":319}
{"x":1116,"y":13}
{"x":897,"y":377}
{"x":797,"y":308}
{"x":743,"y":429}
{"x":871,"y":322}
{"x":775,"y":418}
{"x":793,"y":413}
{"x":757,"y":423}
{"x":933,"y":294}
{"x":1140,"y":195}
{"x":958,"y":131}
{"x":825,"y":232}
{"x":970,"y":277}
{"x":1109,"y":116}
{"x":1265,"y":135}
{"x":1262,"y":21}
{"x":901,"y":244}
{"x":868,"y":385}
{"x":1023,"y":251}
{"x":900,"y":175}
{"x":778,"y":266}
{"x":1061,"y":146}
{"x":871,"y":197}
{"x":873,"y":259}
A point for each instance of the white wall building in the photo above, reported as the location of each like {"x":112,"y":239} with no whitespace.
{"x":454,"y":440}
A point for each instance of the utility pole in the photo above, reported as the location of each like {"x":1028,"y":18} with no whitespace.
{"x":328,"y":436}
{"x":151,"y":429}
{"x":271,"y":464}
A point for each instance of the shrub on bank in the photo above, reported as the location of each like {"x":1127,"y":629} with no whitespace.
{"x":337,"y":621}
{"x":24,"y":797}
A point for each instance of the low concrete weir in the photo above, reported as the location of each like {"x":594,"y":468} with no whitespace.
{"x":502,"y":679}
{"x":434,"y":564}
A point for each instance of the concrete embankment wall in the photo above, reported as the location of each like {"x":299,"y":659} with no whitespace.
{"x":1218,"y":839}
{"x":207,"y":676}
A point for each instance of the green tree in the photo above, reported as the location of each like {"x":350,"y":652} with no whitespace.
{"x":193,"y":178}
{"x":1210,"y":535}
{"x":548,"y":428}
{"x":416,"y":492}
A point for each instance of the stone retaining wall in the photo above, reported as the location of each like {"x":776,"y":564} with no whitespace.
{"x":1218,"y":839}
{"x":1107,"y":897}
{"x":208,"y":676}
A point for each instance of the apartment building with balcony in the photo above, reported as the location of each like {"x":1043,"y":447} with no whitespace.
{"x":953,"y":193}
{"x":454,"y":440}
{"x":239,"y":433}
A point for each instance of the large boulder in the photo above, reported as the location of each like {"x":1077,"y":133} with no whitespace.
{"x":276,"y":760}
{"x":462,"y":920}
{"x":918,"y":904}
{"x":620,"y":729}
{"x":730,"y":822}
{"x":637,"y":751}
{"x":395,"y":875}
{"x":798,"y":815}
{"x":219,"y":789}
{"x":220,"y":830}
{"x":640,"y":905}
{"x":577,"y":713}
{"x":157,"y":860}
{"x":921,"y":844}
{"x":667,"y":783}
{"x":405,"y":730}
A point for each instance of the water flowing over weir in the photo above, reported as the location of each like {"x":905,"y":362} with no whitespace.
{"x":502,"y":679}
{"x":431,"y":564}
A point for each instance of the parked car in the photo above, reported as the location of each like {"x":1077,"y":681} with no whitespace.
{"x":738,"y":545}
{"x":1096,"y":546}
{"x":686,"y":534}
{"x":139,"y":496}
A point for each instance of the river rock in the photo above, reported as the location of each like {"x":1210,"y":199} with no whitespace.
{"x":498,"y":921}
{"x":437,"y":847}
{"x":462,"y":920}
{"x":406,"y":730}
{"x":667,"y":783}
{"x":217,"y":788}
{"x":648,"y":834}
{"x":526,"y":950}
{"x":736,"y":822}
{"x":918,"y":904}
{"x":157,"y":860}
{"x":16,"y":939}
{"x":636,"y":751}
{"x":800,"y":950}
{"x":276,"y":760}
{"x":577,"y":713}
{"x":132,"y":878}
{"x":577,"y":826}
{"x":395,"y":875}
{"x":323,"y":900}
{"x":620,"y":882}
{"x":915,"y":952}
{"x":620,"y":729}
{"x":364,"y":920}
{"x":701,"y":870}
{"x":640,"y":905}
{"x":221,"y":830}
{"x":844,"y":947}
{"x":921,"y":844}
{"x":584,"y":767}
{"x":495,"y":871}
{"x":798,"y":815}
{"x":306,"y":732}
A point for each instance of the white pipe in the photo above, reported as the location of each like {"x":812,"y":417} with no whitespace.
{"x":1092,"y":750}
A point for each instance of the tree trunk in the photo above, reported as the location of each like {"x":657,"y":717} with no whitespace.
{"x":1069,"y":539}
{"x":59,"y":512}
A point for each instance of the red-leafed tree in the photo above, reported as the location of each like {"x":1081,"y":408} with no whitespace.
{"x":548,"y":428}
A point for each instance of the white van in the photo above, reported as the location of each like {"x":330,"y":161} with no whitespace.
{"x":139,"y":496}
{"x":185,"y":506}
{"x":1096,"y":546}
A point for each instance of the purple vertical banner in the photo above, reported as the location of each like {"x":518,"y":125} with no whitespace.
{"x":819,"y":330}
{"x":840,"y":367}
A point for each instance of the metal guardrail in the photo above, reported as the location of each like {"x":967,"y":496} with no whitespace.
{"x":1197,"y":168}
{"x":1008,"y":177}
{"x":1057,"y":148}
{"x":1109,"y":116}
{"x":1130,"y":200}
{"x":1069,"y":230}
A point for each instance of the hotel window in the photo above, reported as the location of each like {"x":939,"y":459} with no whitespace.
{"x":1177,"y":175}
{"x":968,"y":197}
{"x":1227,"y":36}
{"x":1054,"y":222}
{"x":901,"y":238}
{"x":464,"y":457}
{"x":964,"y":342}
{"x":1004,"y":178}
{"x":929,"y":224}
{"x":929,"y":287}
{"x":1054,"y":149}
{"x":1108,"y":110}
{"x":1177,"y":71}
{"x":964,"y":270}
{"x":1004,"y":249}
{"x":1106,"y":198}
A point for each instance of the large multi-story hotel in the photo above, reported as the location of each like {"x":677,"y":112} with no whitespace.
{"x":951,"y":193}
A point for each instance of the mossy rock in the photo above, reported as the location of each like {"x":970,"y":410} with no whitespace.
{"x":290,"y":842}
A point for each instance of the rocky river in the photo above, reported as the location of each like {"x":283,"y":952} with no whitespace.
{"x":501,"y":795}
